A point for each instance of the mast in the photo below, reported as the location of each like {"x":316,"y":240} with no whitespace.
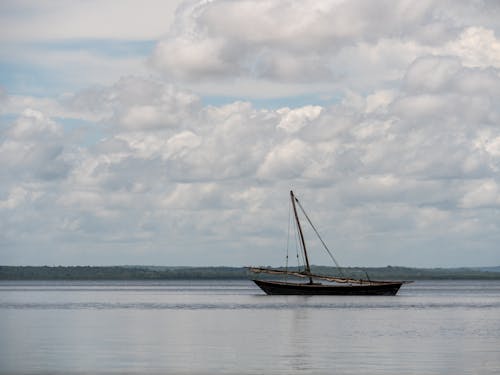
{"x":308,"y":267}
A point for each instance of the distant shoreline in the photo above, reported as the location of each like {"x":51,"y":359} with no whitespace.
{"x":227,"y":273}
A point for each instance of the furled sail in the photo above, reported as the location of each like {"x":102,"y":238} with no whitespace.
{"x":305,"y":274}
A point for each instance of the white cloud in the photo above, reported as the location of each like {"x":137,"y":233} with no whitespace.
{"x":379,"y":100}
{"x":477,"y":47}
{"x":335,"y":44}
{"x":136,"y":104}
{"x":107,"y":19}
{"x":33,"y":148}
{"x":181,"y":144}
{"x":282,"y":40}
{"x":431,"y":73}
{"x":188,"y":59}
{"x":16,"y":104}
{"x":295,"y":119}
{"x":33,"y":124}
{"x":286,"y":161}
{"x":393,"y":162}
{"x":404,"y":157}
{"x":52,"y":47}
{"x":483,"y":193}
{"x":17,"y":196}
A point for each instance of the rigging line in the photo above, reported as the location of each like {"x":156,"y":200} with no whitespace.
{"x":296,"y":235}
{"x":287,"y":240}
{"x":317,"y":233}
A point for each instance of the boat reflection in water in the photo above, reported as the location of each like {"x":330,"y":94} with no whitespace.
{"x":336,"y":285}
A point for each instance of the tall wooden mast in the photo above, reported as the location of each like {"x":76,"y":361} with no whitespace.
{"x":308,"y":267}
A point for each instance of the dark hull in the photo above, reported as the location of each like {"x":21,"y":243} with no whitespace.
{"x":283,"y":288}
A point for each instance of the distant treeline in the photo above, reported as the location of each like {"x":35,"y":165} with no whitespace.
{"x":212,"y":273}
{"x":119,"y":273}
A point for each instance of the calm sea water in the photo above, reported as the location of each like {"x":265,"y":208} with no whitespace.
{"x":213,"y":327}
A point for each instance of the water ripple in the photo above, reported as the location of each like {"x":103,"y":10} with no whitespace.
{"x":247,"y":306}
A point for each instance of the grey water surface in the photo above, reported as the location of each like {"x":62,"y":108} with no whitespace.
{"x":231,"y":327}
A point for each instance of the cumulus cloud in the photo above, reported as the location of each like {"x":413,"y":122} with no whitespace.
{"x":430,"y":73}
{"x":16,"y":196}
{"x":281,"y":40}
{"x":402,"y":154}
{"x":136,"y":104}
{"x":295,"y":119}
{"x":318,"y":41}
{"x":477,"y":47}
{"x":482,"y":193}
{"x":405,"y":153}
{"x":33,"y":147}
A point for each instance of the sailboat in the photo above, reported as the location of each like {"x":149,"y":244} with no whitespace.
{"x":336,"y":285}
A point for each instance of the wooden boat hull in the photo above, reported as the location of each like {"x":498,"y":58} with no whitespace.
{"x":284,"y":288}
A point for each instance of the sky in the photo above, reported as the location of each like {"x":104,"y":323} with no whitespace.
{"x":171,"y":132}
